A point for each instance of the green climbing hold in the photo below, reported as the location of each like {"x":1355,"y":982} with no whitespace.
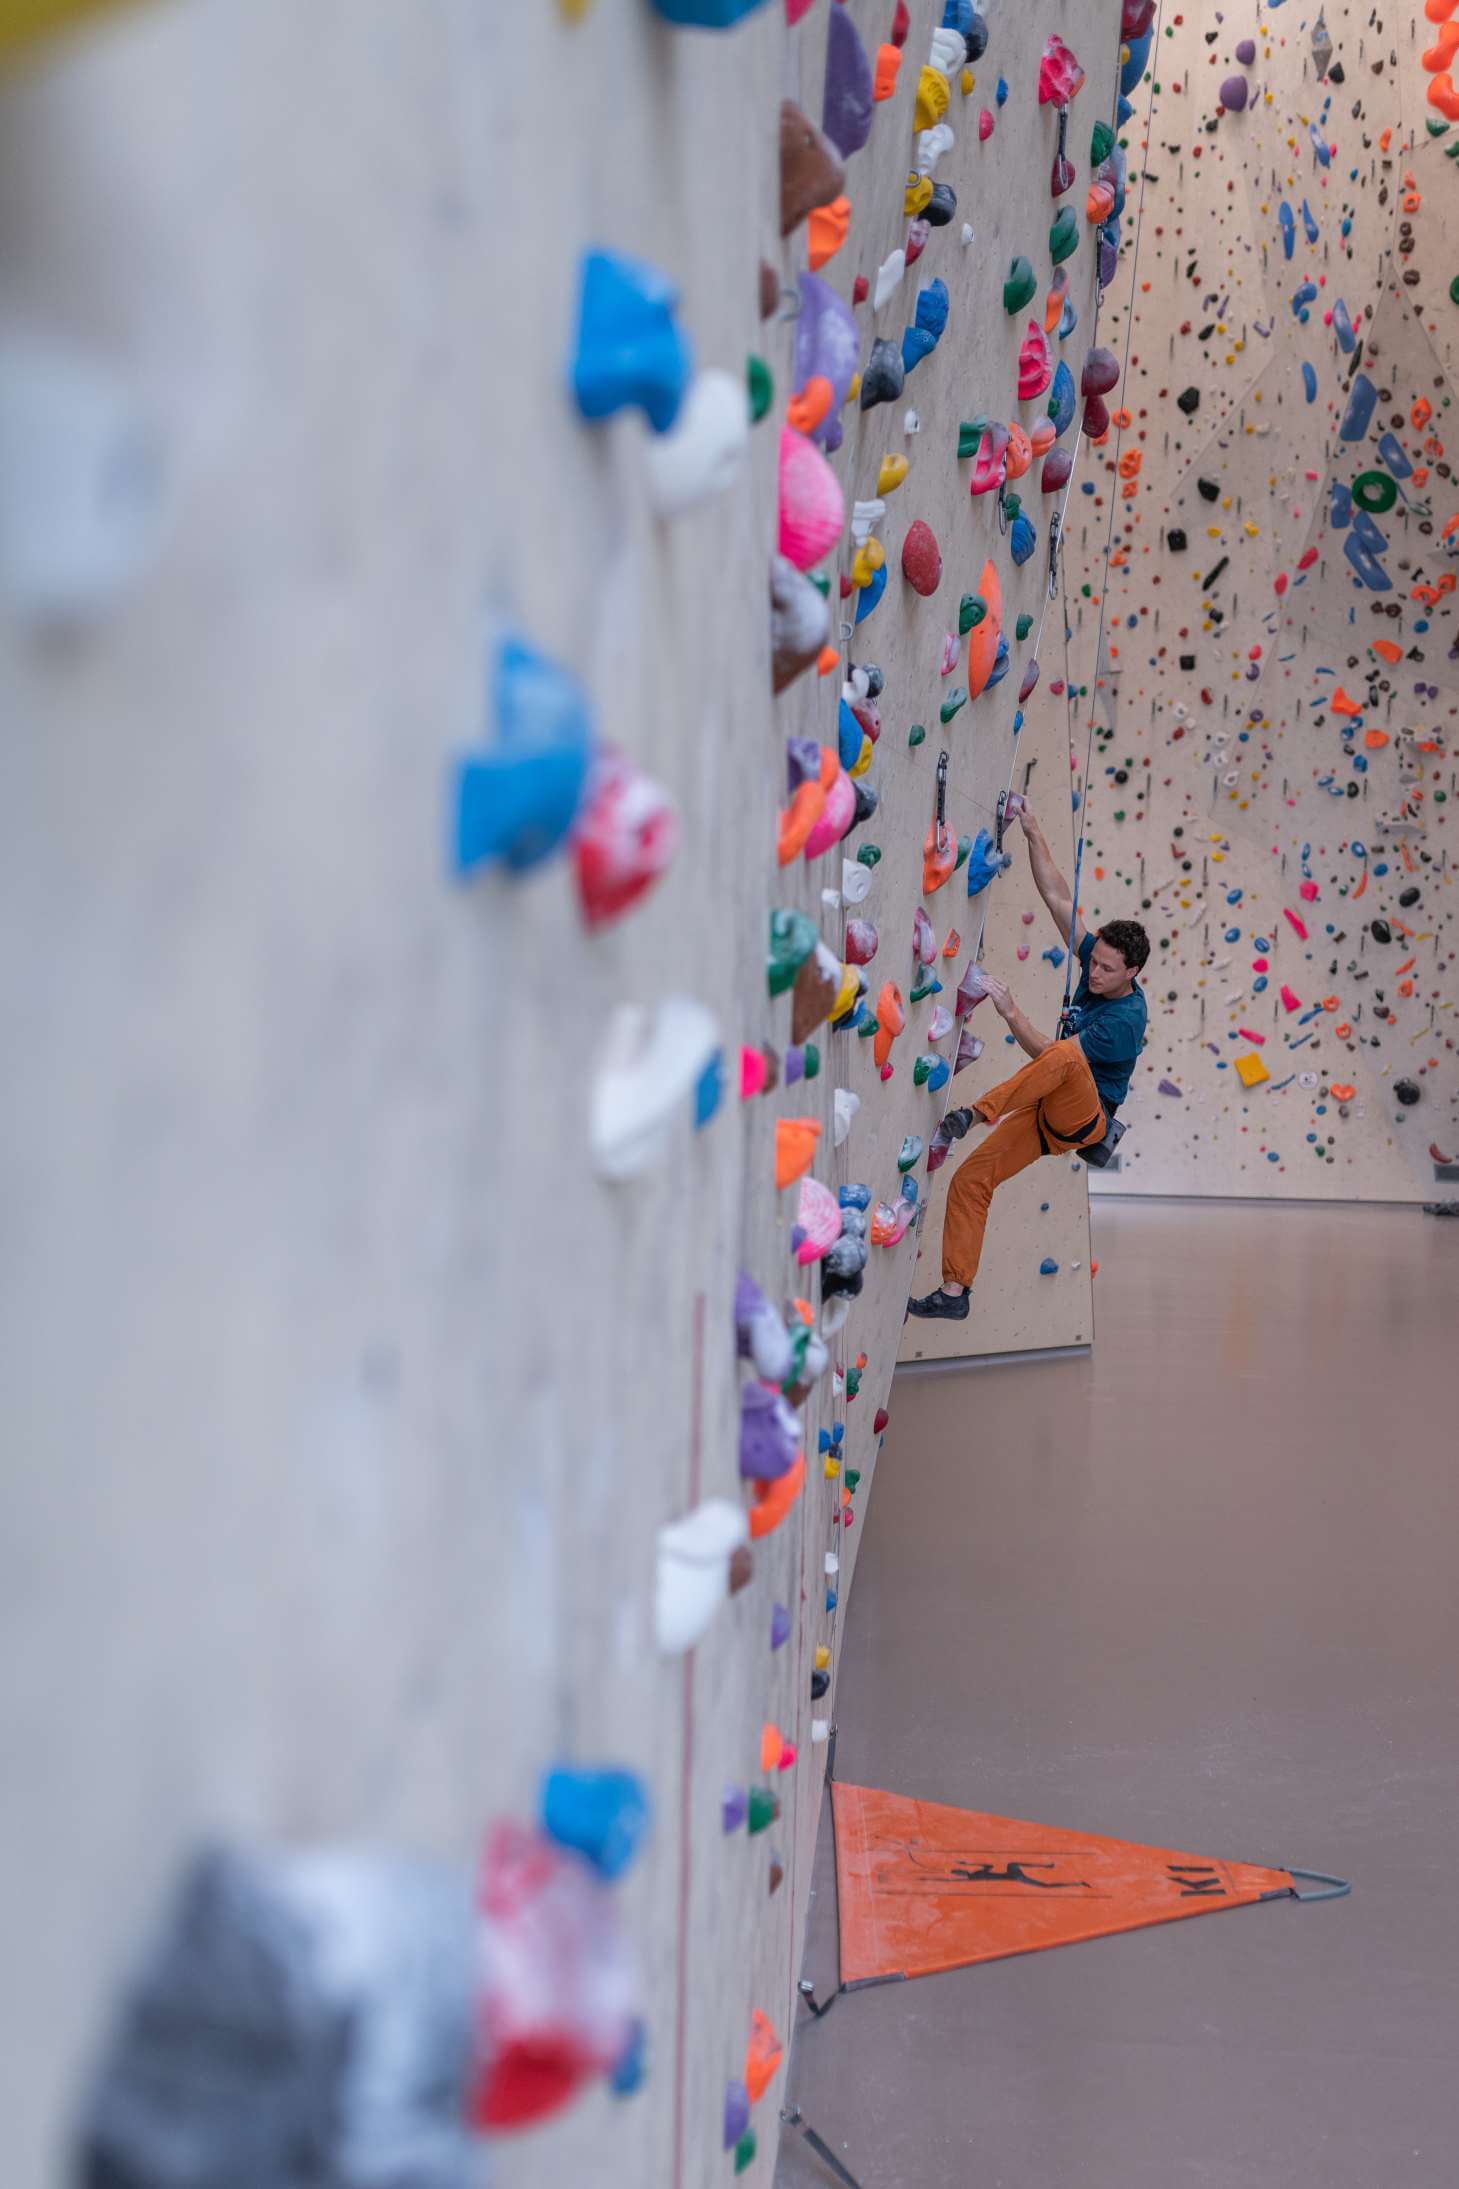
{"x":970,"y":433}
{"x":853,"y":1382}
{"x":1023,"y":626}
{"x":1101,"y":144}
{"x":971,"y":613}
{"x":764,"y":1809}
{"x":822,"y":584}
{"x":1018,"y":289}
{"x":1063,"y":236}
{"x":1119,"y":816}
{"x":745,"y":2151}
{"x":1012,"y":504}
{"x":922,"y":1069}
{"x":964,"y":852}
{"x":917,"y":735}
{"x":762,"y":387}
{"x":792,"y":939}
{"x":810,"y":1061}
{"x":1436,"y":128}
{"x":852,"y":1477}
{"x":1454,"y":284}
{"x":956,"y":698}
{"x":1375,"y":491}
{"x":869,"y":855}
{"x":870,"y":1025}
{"x":923,"y":989}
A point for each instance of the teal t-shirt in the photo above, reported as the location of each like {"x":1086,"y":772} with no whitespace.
{"x":1111,"y":1031}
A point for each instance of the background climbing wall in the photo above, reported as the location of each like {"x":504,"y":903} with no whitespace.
{"x":345,"y":1398}
{"x":1275,"y":704}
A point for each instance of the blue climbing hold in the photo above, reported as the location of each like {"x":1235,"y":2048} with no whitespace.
{"x":602,"y":1815}
{"x":1309,"y":225}
{"x":1061,"y":398}
{"x":709,"y":1090}
{"x":1048,"y":1267}
{"x":1309,"y":383}
{"x":1287,"y":223}
{"x":999,"y":669}
{"x":1302,"y":298}
{"x":1341,"y":513}
{"x":707,"y":14}
{"x":627,"y":2074}
{"x":1022,"y":539}
{"x":1390,"y":449}
{"x":1054,"y":955}
{"x":869,"y":595}
{"x":517,"y":800}
{"x":984,"y":863}
{"x":1320,"y":146}
{"x":855,"y":1197}
{"x":630,"y":351}
{"x":1359,"y":413}
{"x":1137,"y":56}
{"x":849,"y":735}
{"x":1342,"y":327}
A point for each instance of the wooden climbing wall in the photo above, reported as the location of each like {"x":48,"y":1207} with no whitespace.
{"x":1272,"y":776}
{"x":344,"y":1399}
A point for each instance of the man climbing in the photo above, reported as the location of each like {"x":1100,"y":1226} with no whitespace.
{"x":1066,"y":1097}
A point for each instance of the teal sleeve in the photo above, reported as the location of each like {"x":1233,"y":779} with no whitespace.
{"x":1110,"y":1041}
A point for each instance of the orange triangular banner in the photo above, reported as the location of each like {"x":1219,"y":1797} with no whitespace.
{"x":922,"y":1888}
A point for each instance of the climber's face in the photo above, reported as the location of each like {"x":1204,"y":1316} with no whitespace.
{"x":1108,"y":973}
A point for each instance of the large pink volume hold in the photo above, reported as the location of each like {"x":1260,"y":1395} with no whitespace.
{"x":812,"y":507}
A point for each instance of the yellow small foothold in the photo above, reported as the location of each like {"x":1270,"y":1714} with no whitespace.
{"x":893,"y":472}
{"x":863,"y":758}
{"x":823,"y":1658}
{"x":966,"y":82}
{"x":933,"y":94}
{"x":853,"y":391}
{"x":832,"y":1468}
{"x":869,"y":558}
{"x":918,"y":195}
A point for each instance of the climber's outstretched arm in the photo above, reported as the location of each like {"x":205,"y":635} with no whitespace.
{"x":1047,"y":879}
{"x":1023,"y":1030}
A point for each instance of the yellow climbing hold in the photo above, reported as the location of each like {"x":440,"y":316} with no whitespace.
{"x":869,"y":558}
{"x":1250,"y":1070}
{"x":933,"y":95}
{"x":853,"y":390}
{"x":863,"y":759}
{"x":918,"y":195}
{"x":893,"y":472}
{"x":23,"y":20}
{"x":966,"y":82}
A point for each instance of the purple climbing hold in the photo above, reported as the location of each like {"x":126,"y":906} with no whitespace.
{"x":1234,"y":94}
{"x":1168,"y":1087}
{"x":779,"y":1626}
{"x":826,"y":342}
{"x":847,"y":108}
{"x":769,"y":1433}
{"x":734,"y":1807}
{"x":1246,"y":51}
{"x":736,"y":2113}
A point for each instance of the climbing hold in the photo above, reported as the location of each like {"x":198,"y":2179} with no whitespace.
{"x":921,"y":559}
{"x":1063,"y":235}
{"x":795,"y":1151}
{"x":884,"y":375}
{"x":516,"y":801}
{"x":764,"y":2052}
{"x":702,"y":452}
{"x":812,"y":510}
{"x":1035,"y":363}
{"x":601,"y":1815}
{"x":827,"y":228}
{"x":1048,"y":1267}
{"x":624,"y":838}
{"x":933,"y":95}
{"x":811,"y":169}
{"x":1060,"y":75}
{"x":1233,"y":94}
{"x":799,"y":621}
{"x":629,"y":348}
{"x":717,"y":14}
{"x":656,"y":1065}
{"x":769,"y":1426}
{"x":849,"y":96}
{"x":1019,"y":287}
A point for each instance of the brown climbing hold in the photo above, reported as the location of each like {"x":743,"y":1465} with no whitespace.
{"x":812,"y":171}
{"x":769,"y":288}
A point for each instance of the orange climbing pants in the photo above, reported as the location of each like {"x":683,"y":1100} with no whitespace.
{"x":1052,"y":1105}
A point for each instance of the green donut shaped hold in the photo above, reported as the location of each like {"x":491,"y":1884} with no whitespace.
{"x":1374,"y":492}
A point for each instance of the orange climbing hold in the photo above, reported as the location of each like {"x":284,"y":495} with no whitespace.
{"x":806,"y":410}
{"x":1342,"y":1094}
{"x":764,"y":2052}
{"x":1439,"y":11}
{"x":1443,"y":95}
{"x":1385,"y":649}
{"x":953,"y":944}
{"x":884,"y":79}
{"x":773,"y":1500}
{"x":776,"y":1754}
{"x":1100,"y":203}
{"x":826,"y":230}
{"x":795,"y":1148}
{"x":1342,"y":705}
{"x":922,"y":1888}
{"x":891,"y":1017}
{"x":983,"y":638}
{"x":939,"y":857}
{"x":1020,"y":451}
{"x":1440,"y":54}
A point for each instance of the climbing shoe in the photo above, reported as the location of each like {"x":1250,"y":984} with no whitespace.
{"x":940,"y":1305}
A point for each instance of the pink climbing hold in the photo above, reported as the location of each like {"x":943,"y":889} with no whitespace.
{"x":1289,"y":1001}
{"x":817,"y":1222}
{"x":624,"y":838}
{"x":922,"y":559}
{"x":1060,"y":75}
{"x":862,"y":942}
{"x":835,"y":818}
{"x":754,"y":1072}
{"x":1035,"y":363}
{"x":985,"y":125}
{"x":924,"y":939}
{"x":1298,"y":924}
{"x":812,"y":507}
{"x":1308,"y":893}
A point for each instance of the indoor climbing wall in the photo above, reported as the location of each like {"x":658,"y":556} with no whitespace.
{"x":501,"y":512}
{"x":1267,"y":657}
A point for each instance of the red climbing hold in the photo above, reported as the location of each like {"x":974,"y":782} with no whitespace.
{"x":922,"y":559}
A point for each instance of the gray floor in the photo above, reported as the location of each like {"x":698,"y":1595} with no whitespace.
{"x":1201,"y":1589}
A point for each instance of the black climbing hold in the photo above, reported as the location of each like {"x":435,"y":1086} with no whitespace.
{"x":1175,"y":540}
{"x":975,"y":38}
{"x":1408,"y":1092}
{"x":1409,"y":897}
{"x":1380,"y":931}
{"x":1189,"y":400}
{"x":1187,"y":661}
{"x":867,"y":802}
{"x":884,"y":376}
{"x":820,"y":1682}
{"x":941,"y":206}
{"x":1208,"y":489}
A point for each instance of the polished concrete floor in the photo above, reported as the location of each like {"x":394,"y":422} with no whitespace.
{"x":1202,"y":1589}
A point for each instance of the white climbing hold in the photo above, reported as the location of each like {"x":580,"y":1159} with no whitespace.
{"x":888,"y":278}
{"x":650,"y":1065}
{"x":846,"y":1106}
{"x":933,"y":145}
{"x":703,"y":450}
{"x":693,"y":1573}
